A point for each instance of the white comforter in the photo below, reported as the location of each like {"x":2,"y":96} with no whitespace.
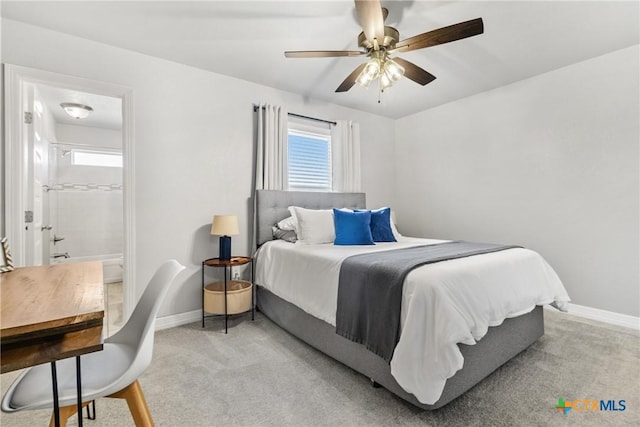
{"x":443,"y":304}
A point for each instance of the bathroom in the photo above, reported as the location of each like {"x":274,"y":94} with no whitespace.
{"x":78,"y":149}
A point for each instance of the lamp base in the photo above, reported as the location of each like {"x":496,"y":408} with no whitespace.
{"x":225,"y":248}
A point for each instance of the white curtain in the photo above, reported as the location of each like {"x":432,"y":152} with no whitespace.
{"x":271,"y":150}
{"x":345,"y":153}
{"x":271,"y":154}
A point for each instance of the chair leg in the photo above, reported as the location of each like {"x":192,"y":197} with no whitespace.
{"x":137,"y":404}
{"x":66,"y":412}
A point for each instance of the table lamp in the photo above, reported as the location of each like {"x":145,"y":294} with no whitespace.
{"x":225,"y":226}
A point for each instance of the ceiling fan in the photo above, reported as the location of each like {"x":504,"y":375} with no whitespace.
{"x":379,"y":42}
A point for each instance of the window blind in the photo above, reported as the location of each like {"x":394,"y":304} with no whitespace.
{"x":309,"y":158}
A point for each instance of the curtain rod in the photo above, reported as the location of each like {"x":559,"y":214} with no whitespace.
{"x":255,"y":108}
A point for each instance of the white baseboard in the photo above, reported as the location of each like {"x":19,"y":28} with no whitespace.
{"x":605,"y":316}
{"x":179,"y":319}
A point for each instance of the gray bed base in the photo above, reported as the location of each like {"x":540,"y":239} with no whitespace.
{"x":499,"y":345}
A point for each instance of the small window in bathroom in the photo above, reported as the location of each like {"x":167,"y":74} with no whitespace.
{"x":95,"y":158}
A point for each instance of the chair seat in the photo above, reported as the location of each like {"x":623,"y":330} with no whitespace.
{"x":100,"y":372}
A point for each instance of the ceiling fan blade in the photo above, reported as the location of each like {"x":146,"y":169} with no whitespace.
{"x":322,"y":53}
{"x":351,"y":79}
{"x":441,"y":36}
{"x":371,"y":19}
{"x":415,"y":73}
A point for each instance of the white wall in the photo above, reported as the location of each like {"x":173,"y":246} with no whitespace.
{"x":550,"y":163}
{"x":89,"y":135}
{"x":193,"y":145}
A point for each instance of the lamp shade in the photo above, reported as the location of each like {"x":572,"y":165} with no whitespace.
{"x":225,"y":225}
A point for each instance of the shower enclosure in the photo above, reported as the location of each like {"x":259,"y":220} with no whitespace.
{"x":85,"y":205}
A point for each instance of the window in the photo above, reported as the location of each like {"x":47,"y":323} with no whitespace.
{"x":309,"y":158}
{"x":95,"y":158}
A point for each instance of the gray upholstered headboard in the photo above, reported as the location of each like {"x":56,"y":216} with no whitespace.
{"x":271,"y":206}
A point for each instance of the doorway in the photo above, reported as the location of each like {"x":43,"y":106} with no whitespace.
{"x":69,"y":183}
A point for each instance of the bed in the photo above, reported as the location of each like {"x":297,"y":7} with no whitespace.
{"x":289,"y":310}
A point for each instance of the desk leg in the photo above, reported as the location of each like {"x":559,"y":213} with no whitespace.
{"x":56,"y":406}
{"x":79,"y":390}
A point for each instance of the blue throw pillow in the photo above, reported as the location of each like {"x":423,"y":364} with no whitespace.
{"x":352,"y":228}
{"x":381,"y":225}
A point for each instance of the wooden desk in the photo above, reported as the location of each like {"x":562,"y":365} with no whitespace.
{"x":50,"y":312}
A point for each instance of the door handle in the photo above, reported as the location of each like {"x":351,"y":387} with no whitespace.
{"x":56,"y":239}
{"x":46,"y":227}
{"x":59,"y":255}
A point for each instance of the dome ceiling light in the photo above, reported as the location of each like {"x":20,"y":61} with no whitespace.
{"x":77,"y":111}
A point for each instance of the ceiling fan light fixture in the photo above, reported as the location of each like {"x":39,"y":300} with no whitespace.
{"x":364,"y":80}
{"x":383,"y":69}
{"x":75,"y":110}
{"x":372,"y":68}
{"x":393,"y":70}
{"x":369,"y":73}
{"x":385,"y":81}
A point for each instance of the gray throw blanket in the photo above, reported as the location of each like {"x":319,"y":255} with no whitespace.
{"x":370,"y":290}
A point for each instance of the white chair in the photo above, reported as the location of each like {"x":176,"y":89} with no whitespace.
{"x":112,"y":372}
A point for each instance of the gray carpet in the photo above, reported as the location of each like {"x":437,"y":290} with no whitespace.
{"x":258,"y":375}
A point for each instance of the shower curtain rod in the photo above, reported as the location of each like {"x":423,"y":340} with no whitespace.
{"x":73,"y":144}
{"x":255,"y":108}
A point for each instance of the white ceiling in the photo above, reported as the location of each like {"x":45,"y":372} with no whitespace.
{"x":107,"y":111}
{"x":247,"y":40}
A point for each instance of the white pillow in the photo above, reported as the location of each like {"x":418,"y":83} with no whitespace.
{"x":394,"y":230}
{"x":288,"y":223}
{"x":313,"y":226}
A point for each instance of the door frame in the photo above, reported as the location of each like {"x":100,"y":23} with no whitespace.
{"x":15,"y":78}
